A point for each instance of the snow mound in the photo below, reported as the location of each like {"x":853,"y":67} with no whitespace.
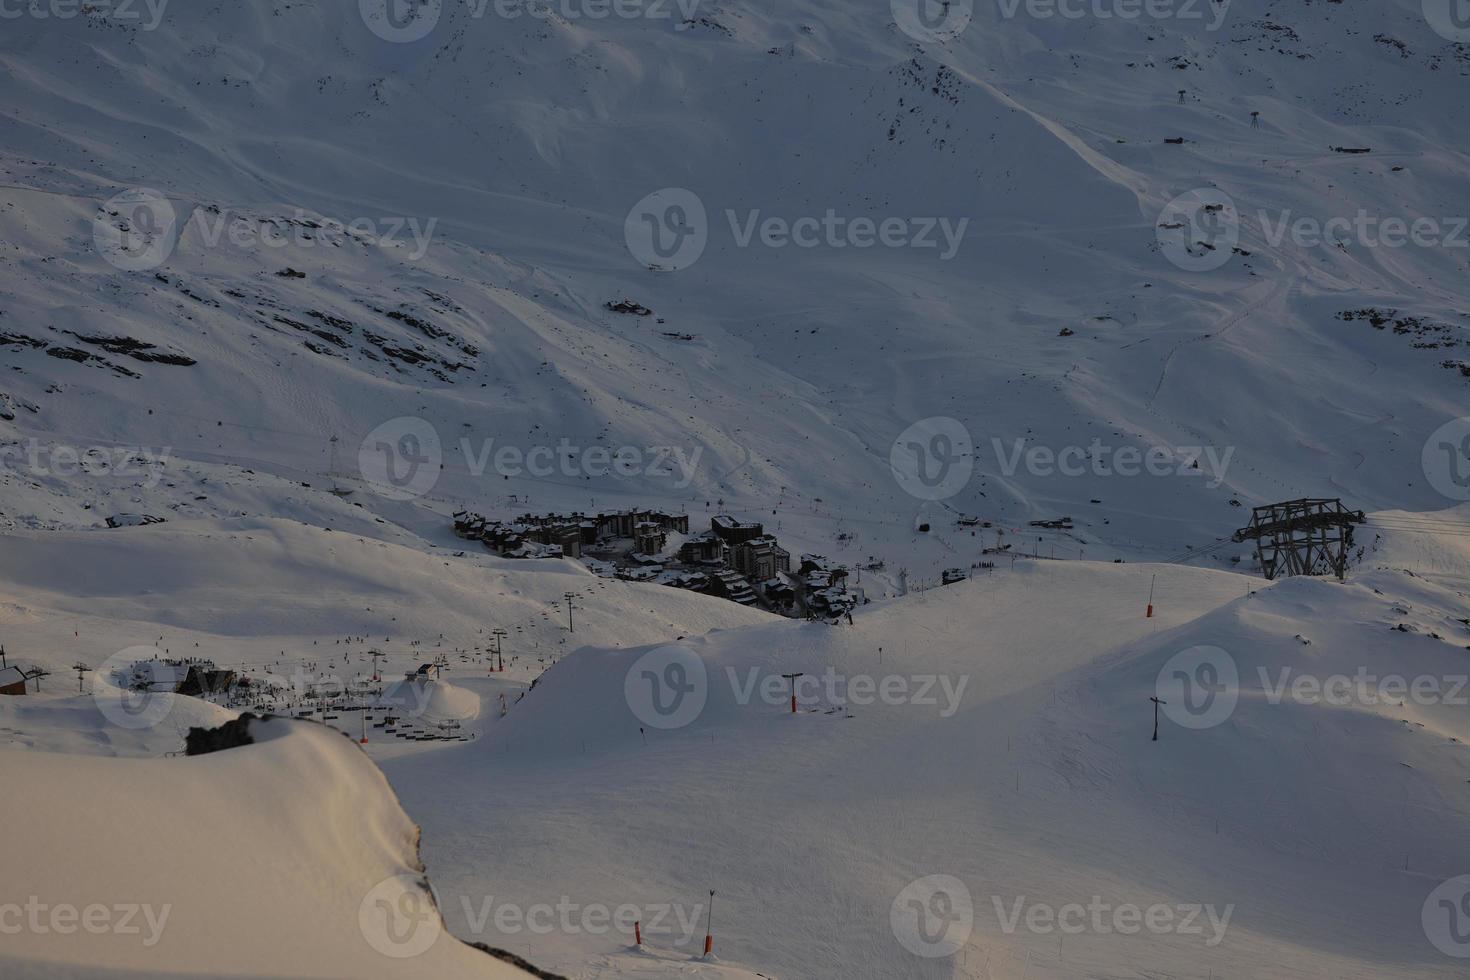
{"x":432,"y":700}
{"x":327,"y":876}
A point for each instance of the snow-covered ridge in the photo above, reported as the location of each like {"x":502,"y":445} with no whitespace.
{"x":433,"y":230}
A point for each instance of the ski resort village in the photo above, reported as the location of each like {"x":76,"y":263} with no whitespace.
{"x":731,"y":490}
{"x":733,"y":559}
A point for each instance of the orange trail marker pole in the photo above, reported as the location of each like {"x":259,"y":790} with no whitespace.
{"x":1150,"y":613}
{"x":637,"y":934}
{"x":792,"y":678}
{"x":709,"y":918}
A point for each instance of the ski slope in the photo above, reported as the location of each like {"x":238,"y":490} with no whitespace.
{"x":1014,"y":757}
{"x":1323,"y":827}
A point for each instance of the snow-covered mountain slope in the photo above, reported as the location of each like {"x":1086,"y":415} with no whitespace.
{"x":1305,"y":836}
{"x":233,"y":589}
{"x":1003,"y":742}
{"x":282,"y":895}
{"x":493,"y":163}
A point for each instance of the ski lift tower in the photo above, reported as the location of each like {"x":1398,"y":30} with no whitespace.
{"x":499,"y":635}
{"x":1311,"y":536}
